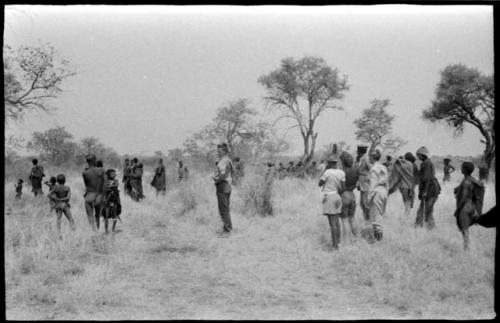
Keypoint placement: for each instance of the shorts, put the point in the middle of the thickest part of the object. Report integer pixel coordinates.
(332, 204)
(348, 204)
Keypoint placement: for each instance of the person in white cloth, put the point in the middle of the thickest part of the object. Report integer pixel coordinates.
(332, 183)
(377, 194)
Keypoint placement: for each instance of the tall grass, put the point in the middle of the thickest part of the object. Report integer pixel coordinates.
(168, 262)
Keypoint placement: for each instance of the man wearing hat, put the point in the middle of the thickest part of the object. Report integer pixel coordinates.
(428, 189)
(377, 193)
(363, 166)
(332, 183)
(222, 180)
(94, 180)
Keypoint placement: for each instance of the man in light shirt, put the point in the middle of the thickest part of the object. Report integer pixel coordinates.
(377, 192)
(222, 179)
(332, 183)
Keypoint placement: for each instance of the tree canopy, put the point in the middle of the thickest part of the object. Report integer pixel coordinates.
(465, 96)
(303, 89)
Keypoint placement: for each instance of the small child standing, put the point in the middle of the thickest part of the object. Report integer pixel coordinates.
(19, 189)
(61, 195)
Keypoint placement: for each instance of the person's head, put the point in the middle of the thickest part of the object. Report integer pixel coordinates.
(99, 163)
(53, 180)
(222, 150)
(281, 164)
(290, 163)
(90, 158)
(422, 153)
(180, 163)
(467, 168)
(160, 161)
(313, 163)
(446, 161)
(61, 179)
(269, 164)
(409, 157)
(332, 161)
(236, 159)
(20, 181)
(299, 163)
(375, 155)
(346, 159)
(111, 174)
(388, 158)
(135, 160)
(127, 161)
(35, 161)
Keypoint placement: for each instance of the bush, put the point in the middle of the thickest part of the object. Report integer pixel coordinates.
(256, 192)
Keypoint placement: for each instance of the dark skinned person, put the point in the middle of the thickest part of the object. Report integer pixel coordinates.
(36, 177)
(94, 180)
(428, 190)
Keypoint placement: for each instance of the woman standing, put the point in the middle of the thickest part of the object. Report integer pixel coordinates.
(332, 183)
(159, 180)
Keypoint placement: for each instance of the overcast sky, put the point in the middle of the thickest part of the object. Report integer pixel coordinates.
(150, 76)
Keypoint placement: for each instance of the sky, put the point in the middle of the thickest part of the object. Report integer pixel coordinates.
(148, 77)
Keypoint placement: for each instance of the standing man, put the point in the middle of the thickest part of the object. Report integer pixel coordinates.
(402, 177)
(469, 195)
(182, 172)
(94, 181)
(377, 193)
(348, 197)
(136, 179)
(363, 166)
(36, 177)
(222, 180)
(428, 190)
(126, 177)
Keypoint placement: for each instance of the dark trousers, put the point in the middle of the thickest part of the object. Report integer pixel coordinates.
(425, 213)
(223, 197)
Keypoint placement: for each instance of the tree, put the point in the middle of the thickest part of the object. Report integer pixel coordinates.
(465, 96)
(32, 77)
(92, 145)
(55, 144)
(302, 90)
(375, 127)
(12, 145)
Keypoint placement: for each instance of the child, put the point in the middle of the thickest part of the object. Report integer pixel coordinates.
(112, 204)
(61, 195)
(51, 184)
(19, 189)
(448, 169)
(469, 195)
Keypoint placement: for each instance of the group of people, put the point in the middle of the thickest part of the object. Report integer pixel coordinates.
(339, 175)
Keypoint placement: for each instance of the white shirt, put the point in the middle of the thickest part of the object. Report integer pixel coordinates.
(332, 178)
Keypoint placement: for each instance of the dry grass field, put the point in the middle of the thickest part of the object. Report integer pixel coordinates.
(167, 261)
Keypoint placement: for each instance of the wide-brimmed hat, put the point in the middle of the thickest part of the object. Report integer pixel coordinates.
(332, 158)
(361, 149)
(423, 151)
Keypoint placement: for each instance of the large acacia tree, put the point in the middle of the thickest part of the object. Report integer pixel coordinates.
(303, 89)
(465, 96)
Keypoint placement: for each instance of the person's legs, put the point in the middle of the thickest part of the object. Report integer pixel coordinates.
(69, 216)
(419, 220)
(223, 204)
(464, 222)
(89, 208)
(363, 202)
(333, 220)
(429, 210)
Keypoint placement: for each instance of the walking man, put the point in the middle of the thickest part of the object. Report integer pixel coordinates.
(94, 181)
(402, 177)
(222, 180)
(428, 190)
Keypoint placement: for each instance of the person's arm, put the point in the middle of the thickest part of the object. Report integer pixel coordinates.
(452, 169)
(68, 197)
(221, 171)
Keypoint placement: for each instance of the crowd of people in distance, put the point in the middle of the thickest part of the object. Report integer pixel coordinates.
(339, 175)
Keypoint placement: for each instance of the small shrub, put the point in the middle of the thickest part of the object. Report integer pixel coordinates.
(256, 193)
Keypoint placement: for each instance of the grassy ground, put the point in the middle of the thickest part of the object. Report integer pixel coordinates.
(169, 263)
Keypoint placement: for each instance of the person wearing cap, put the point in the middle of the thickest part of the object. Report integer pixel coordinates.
(377, 192)
(222, 180)
(363, 165)
(94, 181)
(447, 169)
(428, 190)
(469, 196)
(332, 183)
(348, 197)
(401, 178)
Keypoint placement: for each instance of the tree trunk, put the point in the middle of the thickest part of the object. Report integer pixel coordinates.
(484, 167)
